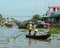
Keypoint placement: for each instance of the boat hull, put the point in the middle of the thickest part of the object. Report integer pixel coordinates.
(38, 37)
(8, 25)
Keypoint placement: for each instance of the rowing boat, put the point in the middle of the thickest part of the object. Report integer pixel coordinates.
(38, 37)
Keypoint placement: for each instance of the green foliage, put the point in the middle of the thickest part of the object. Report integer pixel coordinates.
(24, 30)
(54, 31)
(2, 19)
(58, 39)
(35, 17)
(0, 16)
(7, 40)
(14, 39)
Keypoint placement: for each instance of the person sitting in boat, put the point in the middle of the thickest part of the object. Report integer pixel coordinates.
(29, 26)
(36, 32)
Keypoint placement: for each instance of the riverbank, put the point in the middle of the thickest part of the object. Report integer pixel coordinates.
(54, 30)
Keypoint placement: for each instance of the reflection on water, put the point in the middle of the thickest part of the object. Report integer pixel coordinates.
(8, 40)
(30, 41)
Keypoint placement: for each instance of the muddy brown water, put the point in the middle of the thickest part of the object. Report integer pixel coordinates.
(7, 40)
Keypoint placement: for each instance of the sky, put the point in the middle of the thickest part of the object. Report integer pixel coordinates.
(26, 7)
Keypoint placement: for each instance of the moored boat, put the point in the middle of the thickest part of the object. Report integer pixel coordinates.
(39, 37)
(8, 25)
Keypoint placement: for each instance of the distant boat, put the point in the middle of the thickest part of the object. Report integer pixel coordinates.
(22, 25)
(44, 37)
(8, 25)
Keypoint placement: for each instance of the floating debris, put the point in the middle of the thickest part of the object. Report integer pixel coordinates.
(7, 40)
(58, 39)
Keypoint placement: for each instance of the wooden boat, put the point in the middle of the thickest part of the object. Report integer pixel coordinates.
(21, 25)
(39, 37)
(8, 25)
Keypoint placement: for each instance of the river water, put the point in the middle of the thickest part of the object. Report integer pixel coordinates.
(7, 39)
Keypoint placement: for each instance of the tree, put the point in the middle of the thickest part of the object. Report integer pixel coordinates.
(0, 16)
(35, 18)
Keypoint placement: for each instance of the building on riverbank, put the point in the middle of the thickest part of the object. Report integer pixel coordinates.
(53, 14)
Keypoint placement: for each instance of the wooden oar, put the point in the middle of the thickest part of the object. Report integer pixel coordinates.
(17, 36)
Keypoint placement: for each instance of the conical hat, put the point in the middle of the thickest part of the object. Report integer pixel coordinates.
(30, 22)
(36, 30)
